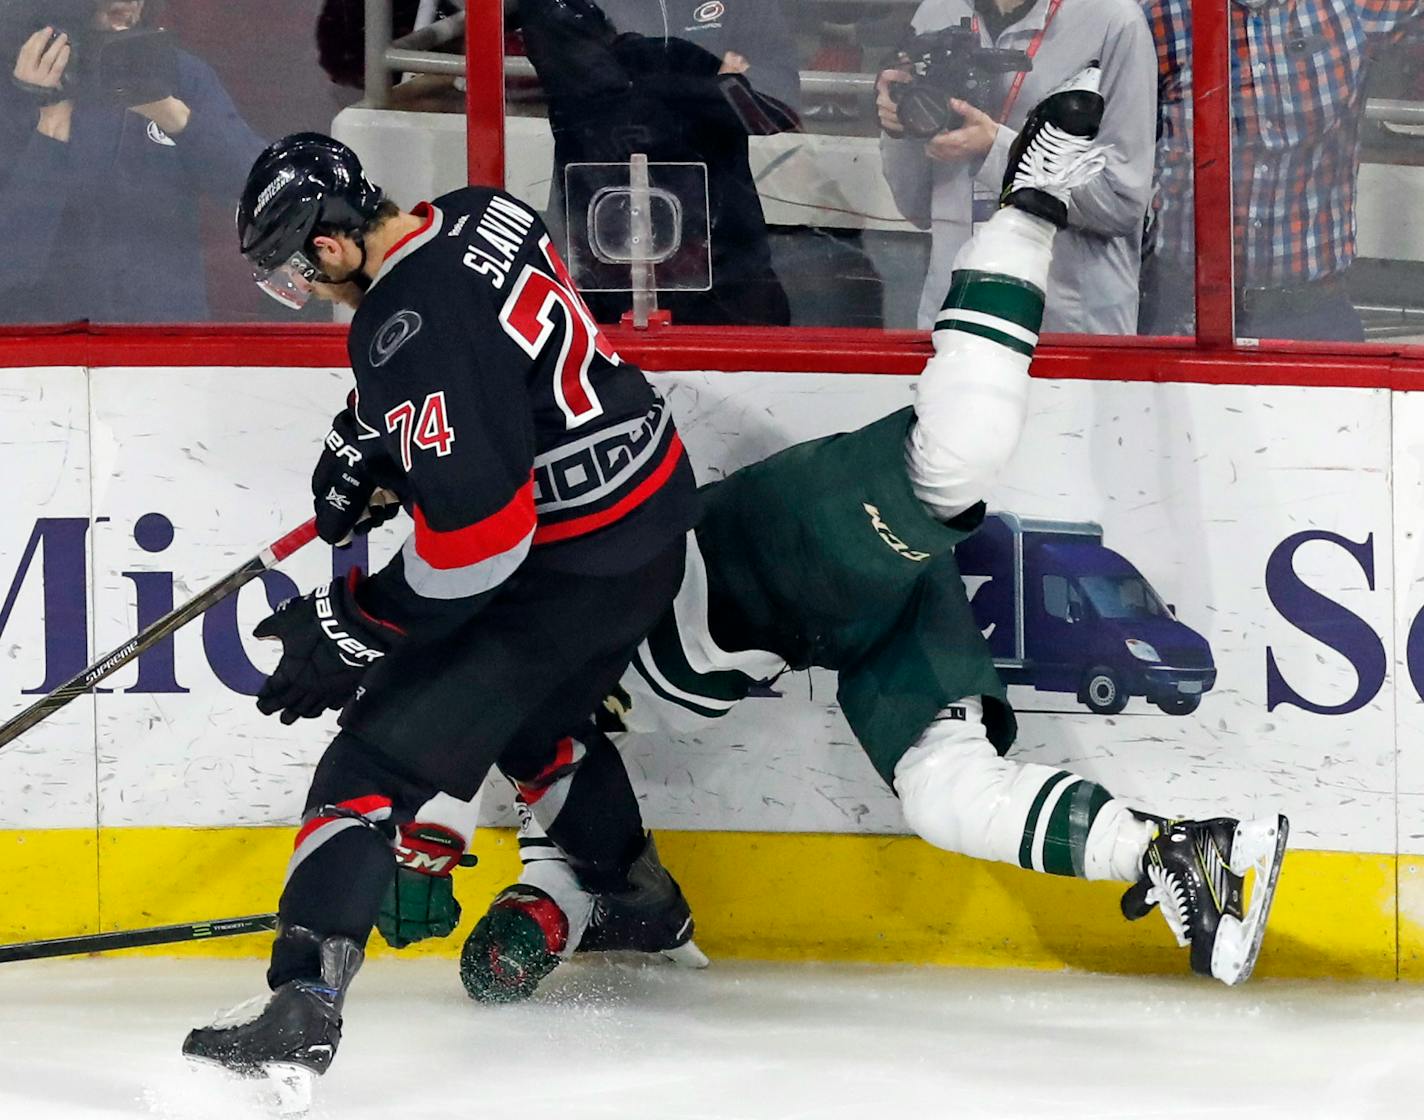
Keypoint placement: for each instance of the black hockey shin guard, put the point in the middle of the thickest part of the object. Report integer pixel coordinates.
(336, 892)
(341, 863)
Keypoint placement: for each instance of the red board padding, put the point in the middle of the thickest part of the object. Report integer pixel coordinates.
(777, 350)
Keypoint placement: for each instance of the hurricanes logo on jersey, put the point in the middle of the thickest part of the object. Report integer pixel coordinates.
(882, 530)
(394, 333)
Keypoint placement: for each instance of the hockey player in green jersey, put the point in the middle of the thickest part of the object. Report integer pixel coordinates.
(838, 553)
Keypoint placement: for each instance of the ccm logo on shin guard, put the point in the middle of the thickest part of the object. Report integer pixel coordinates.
(359, 653)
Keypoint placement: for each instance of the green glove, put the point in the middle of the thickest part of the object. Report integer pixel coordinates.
(420, 902)
(417, 907)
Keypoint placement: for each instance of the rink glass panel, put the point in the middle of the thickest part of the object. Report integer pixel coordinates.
(130, 220)
(819, 219)
(815, 224)
(1328, 141)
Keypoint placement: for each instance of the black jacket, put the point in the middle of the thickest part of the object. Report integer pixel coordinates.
(631, 76)
(106, 226)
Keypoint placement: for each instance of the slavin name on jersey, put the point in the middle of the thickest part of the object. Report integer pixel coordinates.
(502, 228)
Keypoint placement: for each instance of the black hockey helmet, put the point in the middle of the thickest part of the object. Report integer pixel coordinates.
(303, 185)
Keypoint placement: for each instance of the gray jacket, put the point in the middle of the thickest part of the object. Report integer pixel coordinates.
(1093, 285)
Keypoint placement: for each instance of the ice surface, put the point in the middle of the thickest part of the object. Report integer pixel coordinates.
(92, 1039)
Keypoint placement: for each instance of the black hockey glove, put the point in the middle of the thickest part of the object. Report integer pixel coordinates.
(328, 643)
(420, 902)
(350, 482)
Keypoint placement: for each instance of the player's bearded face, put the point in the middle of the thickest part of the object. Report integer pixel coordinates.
(329, 270)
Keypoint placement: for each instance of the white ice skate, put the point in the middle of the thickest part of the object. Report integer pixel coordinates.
(1196, 871)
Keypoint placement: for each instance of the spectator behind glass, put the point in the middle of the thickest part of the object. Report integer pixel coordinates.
(1298, 71)
(99, 197)
(1094, 282)
(682, 81)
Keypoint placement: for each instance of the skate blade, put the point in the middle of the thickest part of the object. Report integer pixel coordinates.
(1259, 846)
(687, 955)
(290, 1088)
(279, 1088)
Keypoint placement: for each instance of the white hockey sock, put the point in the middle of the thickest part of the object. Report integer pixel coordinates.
(1012, 243)
(958, 794)
(969, 413)
(546, 867)
(1116, 844)
(972, 397)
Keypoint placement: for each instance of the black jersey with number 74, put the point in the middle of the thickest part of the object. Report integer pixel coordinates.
(521, 434)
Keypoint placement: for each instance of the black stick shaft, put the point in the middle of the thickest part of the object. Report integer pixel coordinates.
(136, 938)
(179, 616)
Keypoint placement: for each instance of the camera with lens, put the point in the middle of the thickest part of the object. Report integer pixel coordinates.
(126, 68)
(948, 63)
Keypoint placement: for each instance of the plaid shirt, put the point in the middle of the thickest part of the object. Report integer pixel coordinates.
(1298, 76)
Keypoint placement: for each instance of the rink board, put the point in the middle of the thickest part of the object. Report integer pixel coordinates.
(1283, 525)
(757, 896)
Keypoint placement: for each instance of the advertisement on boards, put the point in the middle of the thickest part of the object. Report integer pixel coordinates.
(1190, 590)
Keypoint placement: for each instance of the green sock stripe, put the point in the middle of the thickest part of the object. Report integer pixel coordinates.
(671, 698)
(1035, 810)
(1017, 345)
(1066, 840)
(665, 645)
(993, 293)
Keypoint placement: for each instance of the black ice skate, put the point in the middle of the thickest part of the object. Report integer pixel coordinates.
(651, 916)
(290, 1036)
(1054, 151)
(1197, 871)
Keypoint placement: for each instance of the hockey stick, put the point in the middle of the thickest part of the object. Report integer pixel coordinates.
(179, 616)
(134, 938)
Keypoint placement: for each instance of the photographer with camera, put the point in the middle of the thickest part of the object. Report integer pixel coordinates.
(950, 106)
(109, 136)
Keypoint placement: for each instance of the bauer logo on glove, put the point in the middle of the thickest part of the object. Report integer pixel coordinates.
(354, 485)
(352, 651)
(328, 642)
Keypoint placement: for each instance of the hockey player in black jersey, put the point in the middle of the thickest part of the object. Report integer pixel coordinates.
(839, 553)
(550, 497)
